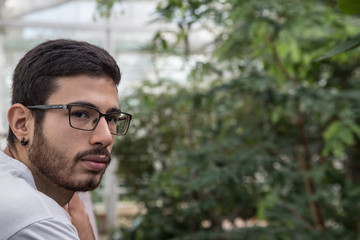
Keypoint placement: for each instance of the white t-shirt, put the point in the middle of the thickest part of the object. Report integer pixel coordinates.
(26, 213)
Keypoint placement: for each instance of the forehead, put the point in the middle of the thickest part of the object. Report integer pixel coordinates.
(100, 91)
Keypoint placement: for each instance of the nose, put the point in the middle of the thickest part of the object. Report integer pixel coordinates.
(101, 135)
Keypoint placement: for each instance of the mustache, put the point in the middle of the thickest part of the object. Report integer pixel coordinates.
(94, 151)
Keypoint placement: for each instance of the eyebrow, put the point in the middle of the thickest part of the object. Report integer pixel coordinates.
(114, 109)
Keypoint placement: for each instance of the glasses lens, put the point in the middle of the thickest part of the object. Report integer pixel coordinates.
(122, 124)
(83, 117)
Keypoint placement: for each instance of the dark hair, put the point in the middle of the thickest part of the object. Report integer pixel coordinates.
(35, 75)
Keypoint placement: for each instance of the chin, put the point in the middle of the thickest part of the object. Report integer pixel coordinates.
(83, 185)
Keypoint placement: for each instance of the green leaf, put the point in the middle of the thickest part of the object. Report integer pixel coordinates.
(337, 136)
(332, 130)
(355, 129)
(349, 6)
(275, 117)
(347, 45)
(164, 44)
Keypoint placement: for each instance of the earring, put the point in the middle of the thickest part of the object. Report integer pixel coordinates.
(23, 142)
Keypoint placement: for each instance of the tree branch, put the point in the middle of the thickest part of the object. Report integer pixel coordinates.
(278, 60)
(304, 162)
(315, 207)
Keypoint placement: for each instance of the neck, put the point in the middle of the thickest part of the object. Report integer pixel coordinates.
(9, 152)
(61, 195)
(43, 184)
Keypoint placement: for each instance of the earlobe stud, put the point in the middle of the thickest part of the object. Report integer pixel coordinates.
(23, 142)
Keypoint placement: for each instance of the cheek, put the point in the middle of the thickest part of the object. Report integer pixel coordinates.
(59, 133)
(56, 124)
(110, 148)
(112, 144)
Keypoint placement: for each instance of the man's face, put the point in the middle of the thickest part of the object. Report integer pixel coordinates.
(71, 158)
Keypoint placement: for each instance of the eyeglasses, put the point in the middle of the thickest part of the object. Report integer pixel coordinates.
(86, 118)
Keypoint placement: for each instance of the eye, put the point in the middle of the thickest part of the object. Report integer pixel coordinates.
(112, 118)
(80, 114)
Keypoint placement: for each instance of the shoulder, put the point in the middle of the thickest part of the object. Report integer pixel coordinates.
(21, 204)
(46, 229)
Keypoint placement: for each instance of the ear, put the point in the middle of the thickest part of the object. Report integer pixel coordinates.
(21, 121)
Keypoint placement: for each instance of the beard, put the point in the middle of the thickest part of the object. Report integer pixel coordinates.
(53, 163)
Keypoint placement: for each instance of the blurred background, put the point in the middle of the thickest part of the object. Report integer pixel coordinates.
(245, 113)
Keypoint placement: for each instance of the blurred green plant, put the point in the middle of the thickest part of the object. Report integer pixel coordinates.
(104, 7)
(350, 7)
(261, 133)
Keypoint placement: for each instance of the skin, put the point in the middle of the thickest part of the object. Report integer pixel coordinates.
(79, 218)
(62, 159)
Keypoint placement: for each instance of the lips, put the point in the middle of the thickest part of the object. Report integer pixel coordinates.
(95, 163)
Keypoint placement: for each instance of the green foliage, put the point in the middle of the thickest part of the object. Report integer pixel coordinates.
(349, 6)
(347, 45)
(104, 7)
(261, 133)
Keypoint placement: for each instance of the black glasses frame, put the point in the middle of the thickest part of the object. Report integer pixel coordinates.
(69, 106)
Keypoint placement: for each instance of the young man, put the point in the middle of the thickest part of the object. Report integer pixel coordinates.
(63, 122)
